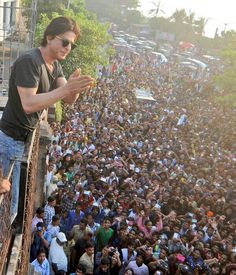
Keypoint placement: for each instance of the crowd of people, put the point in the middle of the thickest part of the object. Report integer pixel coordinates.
(140, 187)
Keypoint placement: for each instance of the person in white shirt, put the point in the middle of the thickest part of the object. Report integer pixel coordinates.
(53, 228)
(138, 266)
(128, 254)
(49, 177)
(87, 259)
(57, 257)
(41, 265)
(37, 218)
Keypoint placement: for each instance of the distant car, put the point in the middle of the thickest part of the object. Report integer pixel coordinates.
(160, 56)
(164, 51)
(121, 40)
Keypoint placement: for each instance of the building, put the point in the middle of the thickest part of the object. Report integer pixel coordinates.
(8, 17)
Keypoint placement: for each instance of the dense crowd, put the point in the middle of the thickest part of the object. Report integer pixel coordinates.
(140, 187)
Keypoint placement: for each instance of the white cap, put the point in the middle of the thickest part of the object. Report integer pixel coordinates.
(61, 237)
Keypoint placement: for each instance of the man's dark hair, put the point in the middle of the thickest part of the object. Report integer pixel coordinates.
(107, 219)
(84, 221)
(60, 272)
(51, 199)
(55, 218)
(80, 267)
(89, 245)
(59, 26)
(41, 250)
(78, 203)
(40, 210)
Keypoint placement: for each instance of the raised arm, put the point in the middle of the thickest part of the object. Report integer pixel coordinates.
(68, 91)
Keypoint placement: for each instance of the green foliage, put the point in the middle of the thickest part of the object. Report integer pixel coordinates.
(91, 48)
(228, 100)
(227, 81)
(119, 12)
(58, 111)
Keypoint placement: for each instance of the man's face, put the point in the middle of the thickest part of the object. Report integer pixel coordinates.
(41, 257)
(78, 208)
(90, 251)
(57, 51)
(57, 222)
(131, 247)
(53, 203)
(41, 215)
(106, 224)
(90, 219)
(82, 226)
(104, 203)
(139, 260)
(104, 267)
(196, 254)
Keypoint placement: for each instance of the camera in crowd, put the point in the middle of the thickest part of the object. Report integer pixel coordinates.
(163, 266)
(185, 269)
(112, 251)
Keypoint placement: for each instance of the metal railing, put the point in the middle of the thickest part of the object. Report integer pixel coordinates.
(22, 223)
(5, 228)
(29, 168)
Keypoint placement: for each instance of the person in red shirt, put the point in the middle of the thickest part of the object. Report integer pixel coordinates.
(86, 199)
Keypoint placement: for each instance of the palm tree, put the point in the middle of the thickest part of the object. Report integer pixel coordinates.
(156, 8)
(190, 18)
(200, 25)
(179, 16)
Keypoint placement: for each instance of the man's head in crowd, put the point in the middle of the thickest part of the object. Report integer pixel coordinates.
(51, 201)
(80, 270)
(56, 220)
(61, 239)
(40, 212)
(89, 248)
(83, 223)
(106, 223)
(139, 259)
(41, 256)
(105, 264)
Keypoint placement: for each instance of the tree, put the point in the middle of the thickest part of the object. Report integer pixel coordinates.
(226, 82)
(200, 25)
(178, 16)
(160, 23)
(112, 10)
(134, 17)
(156, 8)
(92, 47)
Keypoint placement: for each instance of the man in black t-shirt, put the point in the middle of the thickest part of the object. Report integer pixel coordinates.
(36, 83)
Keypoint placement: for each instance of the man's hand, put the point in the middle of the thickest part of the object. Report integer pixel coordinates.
(78, 83)
(5, 186)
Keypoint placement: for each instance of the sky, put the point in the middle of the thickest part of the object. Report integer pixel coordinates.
(220, 14)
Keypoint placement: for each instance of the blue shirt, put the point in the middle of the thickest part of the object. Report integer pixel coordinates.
(51, 232)
(74, 219)
(43, 268)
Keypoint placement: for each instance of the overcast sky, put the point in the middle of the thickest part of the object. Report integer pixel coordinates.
(219, 12)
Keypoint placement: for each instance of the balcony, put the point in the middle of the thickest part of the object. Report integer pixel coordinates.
(15, 237)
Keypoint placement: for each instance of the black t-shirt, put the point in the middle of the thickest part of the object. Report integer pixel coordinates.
(29, 71)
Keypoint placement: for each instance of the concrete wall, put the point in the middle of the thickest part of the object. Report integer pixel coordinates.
(45, 136)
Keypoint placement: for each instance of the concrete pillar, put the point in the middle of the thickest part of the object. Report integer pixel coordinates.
(8, 15)
(1, 21)
(45, 139)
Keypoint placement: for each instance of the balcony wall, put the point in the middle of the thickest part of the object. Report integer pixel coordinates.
(15, 238)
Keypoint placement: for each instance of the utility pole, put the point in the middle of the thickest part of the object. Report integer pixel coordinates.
(226, 24)
(33, 22)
